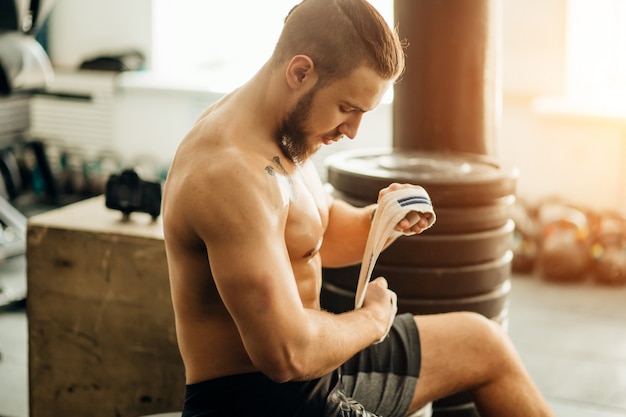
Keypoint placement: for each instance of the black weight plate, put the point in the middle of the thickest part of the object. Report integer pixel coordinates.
(451, 179)
(490, 304)
(464, 410)
(412, 282)
(452, 220)
(9, 16)
(458, 399)
(336, 300)
(449, 250)
(450, 282)
(502, 319)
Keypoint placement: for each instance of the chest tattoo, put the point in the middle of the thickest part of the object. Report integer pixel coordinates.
(284, 179)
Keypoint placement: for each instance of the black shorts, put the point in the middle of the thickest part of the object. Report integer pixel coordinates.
(378, 381)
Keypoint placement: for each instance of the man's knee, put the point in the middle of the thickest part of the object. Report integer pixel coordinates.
(490, 342)
(482, 324)
(485, 337)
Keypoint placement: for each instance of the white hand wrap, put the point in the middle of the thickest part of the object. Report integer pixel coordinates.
(392, 208)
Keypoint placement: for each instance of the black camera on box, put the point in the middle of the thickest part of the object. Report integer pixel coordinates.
(128, 193)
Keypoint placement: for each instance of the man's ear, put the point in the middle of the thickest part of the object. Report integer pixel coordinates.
(300, 72)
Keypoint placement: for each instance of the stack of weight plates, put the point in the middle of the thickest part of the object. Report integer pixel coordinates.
(462, 263)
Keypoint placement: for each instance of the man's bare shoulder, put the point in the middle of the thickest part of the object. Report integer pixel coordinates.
(218, 178)
(211, 167)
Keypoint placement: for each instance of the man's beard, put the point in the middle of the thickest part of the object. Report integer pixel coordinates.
(292, 135)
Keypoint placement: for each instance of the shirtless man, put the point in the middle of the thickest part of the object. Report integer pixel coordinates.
(248, 228)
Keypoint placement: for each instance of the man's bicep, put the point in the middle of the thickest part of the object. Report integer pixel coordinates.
(250, 264)
(346, 234)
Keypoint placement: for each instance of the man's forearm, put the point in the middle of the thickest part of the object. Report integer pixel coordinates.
(339, 337)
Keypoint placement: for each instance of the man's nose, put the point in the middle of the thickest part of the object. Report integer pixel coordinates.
(351, 126)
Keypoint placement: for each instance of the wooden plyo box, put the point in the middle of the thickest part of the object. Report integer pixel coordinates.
(101, 332)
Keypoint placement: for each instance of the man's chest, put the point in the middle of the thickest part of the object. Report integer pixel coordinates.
(307, 217)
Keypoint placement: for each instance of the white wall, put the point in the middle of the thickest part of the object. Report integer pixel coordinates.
(151, 121)
(578, 159)
(533, 52)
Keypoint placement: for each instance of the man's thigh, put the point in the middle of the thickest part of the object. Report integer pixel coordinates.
(456, 349)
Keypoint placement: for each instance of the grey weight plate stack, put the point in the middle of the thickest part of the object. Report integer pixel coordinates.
(463, 263)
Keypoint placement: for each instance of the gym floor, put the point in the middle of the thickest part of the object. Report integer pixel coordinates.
(572, 339)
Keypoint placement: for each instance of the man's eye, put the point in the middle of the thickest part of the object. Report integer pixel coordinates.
(345, 109)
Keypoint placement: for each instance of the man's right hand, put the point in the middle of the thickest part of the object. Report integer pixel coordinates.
(384, 301)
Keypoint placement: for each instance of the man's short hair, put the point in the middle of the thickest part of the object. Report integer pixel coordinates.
(339, 36)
